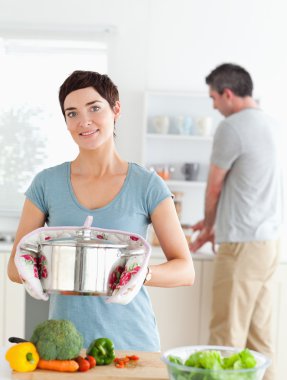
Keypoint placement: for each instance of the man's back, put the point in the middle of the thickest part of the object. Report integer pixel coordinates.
(249, 207)
(243, 211)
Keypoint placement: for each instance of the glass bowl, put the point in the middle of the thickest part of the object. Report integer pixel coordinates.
(182, 372)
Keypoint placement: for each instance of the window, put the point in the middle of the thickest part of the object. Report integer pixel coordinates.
(33, 135)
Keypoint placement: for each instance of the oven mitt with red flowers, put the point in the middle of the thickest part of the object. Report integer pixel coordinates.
(26, 261)
(125, 279)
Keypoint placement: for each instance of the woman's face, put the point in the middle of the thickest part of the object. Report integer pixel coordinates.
(90, 118)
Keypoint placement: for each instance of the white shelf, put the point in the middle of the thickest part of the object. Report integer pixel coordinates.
(174, 183)
(175, 149)
(158, 136)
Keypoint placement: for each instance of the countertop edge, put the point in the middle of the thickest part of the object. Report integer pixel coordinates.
(201, 255)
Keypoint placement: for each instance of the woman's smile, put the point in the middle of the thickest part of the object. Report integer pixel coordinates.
(89, 133)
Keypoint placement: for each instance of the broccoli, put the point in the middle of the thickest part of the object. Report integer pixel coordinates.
(57, 339)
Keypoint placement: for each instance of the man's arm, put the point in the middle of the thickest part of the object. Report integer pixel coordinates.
(215, 183)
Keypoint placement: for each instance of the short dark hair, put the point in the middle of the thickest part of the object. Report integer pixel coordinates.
(231, 76)
(81, 79)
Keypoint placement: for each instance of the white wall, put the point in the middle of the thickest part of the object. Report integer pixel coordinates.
(167, 44)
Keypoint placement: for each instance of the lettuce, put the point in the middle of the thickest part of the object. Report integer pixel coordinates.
(205, 359)
(242, 360)
(175, 359)
(213, 361)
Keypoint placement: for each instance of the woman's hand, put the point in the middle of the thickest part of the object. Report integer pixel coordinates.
(31, 219)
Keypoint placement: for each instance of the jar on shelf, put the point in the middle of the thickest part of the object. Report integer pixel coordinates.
(163, 172)
(160, 124)
(183, 125)
(204, 126)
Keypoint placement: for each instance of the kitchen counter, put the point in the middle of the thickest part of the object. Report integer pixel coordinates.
(204, 254)
(149, 367)
(157, 253)
(5, 247)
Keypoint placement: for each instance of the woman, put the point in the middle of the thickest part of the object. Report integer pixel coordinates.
(119, 195)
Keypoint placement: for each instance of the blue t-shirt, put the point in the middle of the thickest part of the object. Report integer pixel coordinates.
(132, 326)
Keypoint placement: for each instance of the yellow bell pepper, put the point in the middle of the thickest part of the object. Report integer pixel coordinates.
(23, 357)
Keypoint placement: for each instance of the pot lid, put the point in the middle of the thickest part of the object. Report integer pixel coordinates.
(83, 242)
(83, 238)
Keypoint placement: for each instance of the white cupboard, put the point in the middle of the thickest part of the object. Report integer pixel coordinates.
(12, 304)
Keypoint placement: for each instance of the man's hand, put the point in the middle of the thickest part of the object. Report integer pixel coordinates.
(198, 226)
(205, 235)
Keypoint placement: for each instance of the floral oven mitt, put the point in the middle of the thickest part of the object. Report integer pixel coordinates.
(125, 280)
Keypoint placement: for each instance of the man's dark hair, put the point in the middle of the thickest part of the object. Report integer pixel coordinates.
(231, 76)
(82, 79)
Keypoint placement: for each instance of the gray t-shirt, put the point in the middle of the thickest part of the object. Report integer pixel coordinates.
(132, 326)
(250, 203)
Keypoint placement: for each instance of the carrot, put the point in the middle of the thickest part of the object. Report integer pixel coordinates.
(59, 365)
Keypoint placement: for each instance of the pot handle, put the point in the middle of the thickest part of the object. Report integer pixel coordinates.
(28, 247)
(88, 221)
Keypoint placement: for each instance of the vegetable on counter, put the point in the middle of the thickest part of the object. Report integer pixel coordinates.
(212, 360)
(23, 357)
(57, 340)
(59, 365)
(244, 359)
(175, 360)
(91, 360)
(84, 364)
(205, 359)
(102, 350)
(127, 361)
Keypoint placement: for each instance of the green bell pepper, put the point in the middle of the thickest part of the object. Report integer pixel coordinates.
(102, 350)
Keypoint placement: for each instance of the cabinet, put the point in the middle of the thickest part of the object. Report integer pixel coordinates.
(12, 304)
(183, 313)
(178, 130)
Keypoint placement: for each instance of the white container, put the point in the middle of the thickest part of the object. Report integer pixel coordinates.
(160, 124)
(204, 126)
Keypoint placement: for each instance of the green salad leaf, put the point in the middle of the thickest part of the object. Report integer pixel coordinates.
(242, 360)
(175, 359)
(205, 359)
(213, 361)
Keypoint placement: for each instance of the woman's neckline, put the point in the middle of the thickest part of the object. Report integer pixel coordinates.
(114, 200)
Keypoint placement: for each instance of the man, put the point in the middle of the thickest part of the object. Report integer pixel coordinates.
(242, 212)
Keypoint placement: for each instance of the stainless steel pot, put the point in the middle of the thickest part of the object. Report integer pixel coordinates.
(80, 266)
